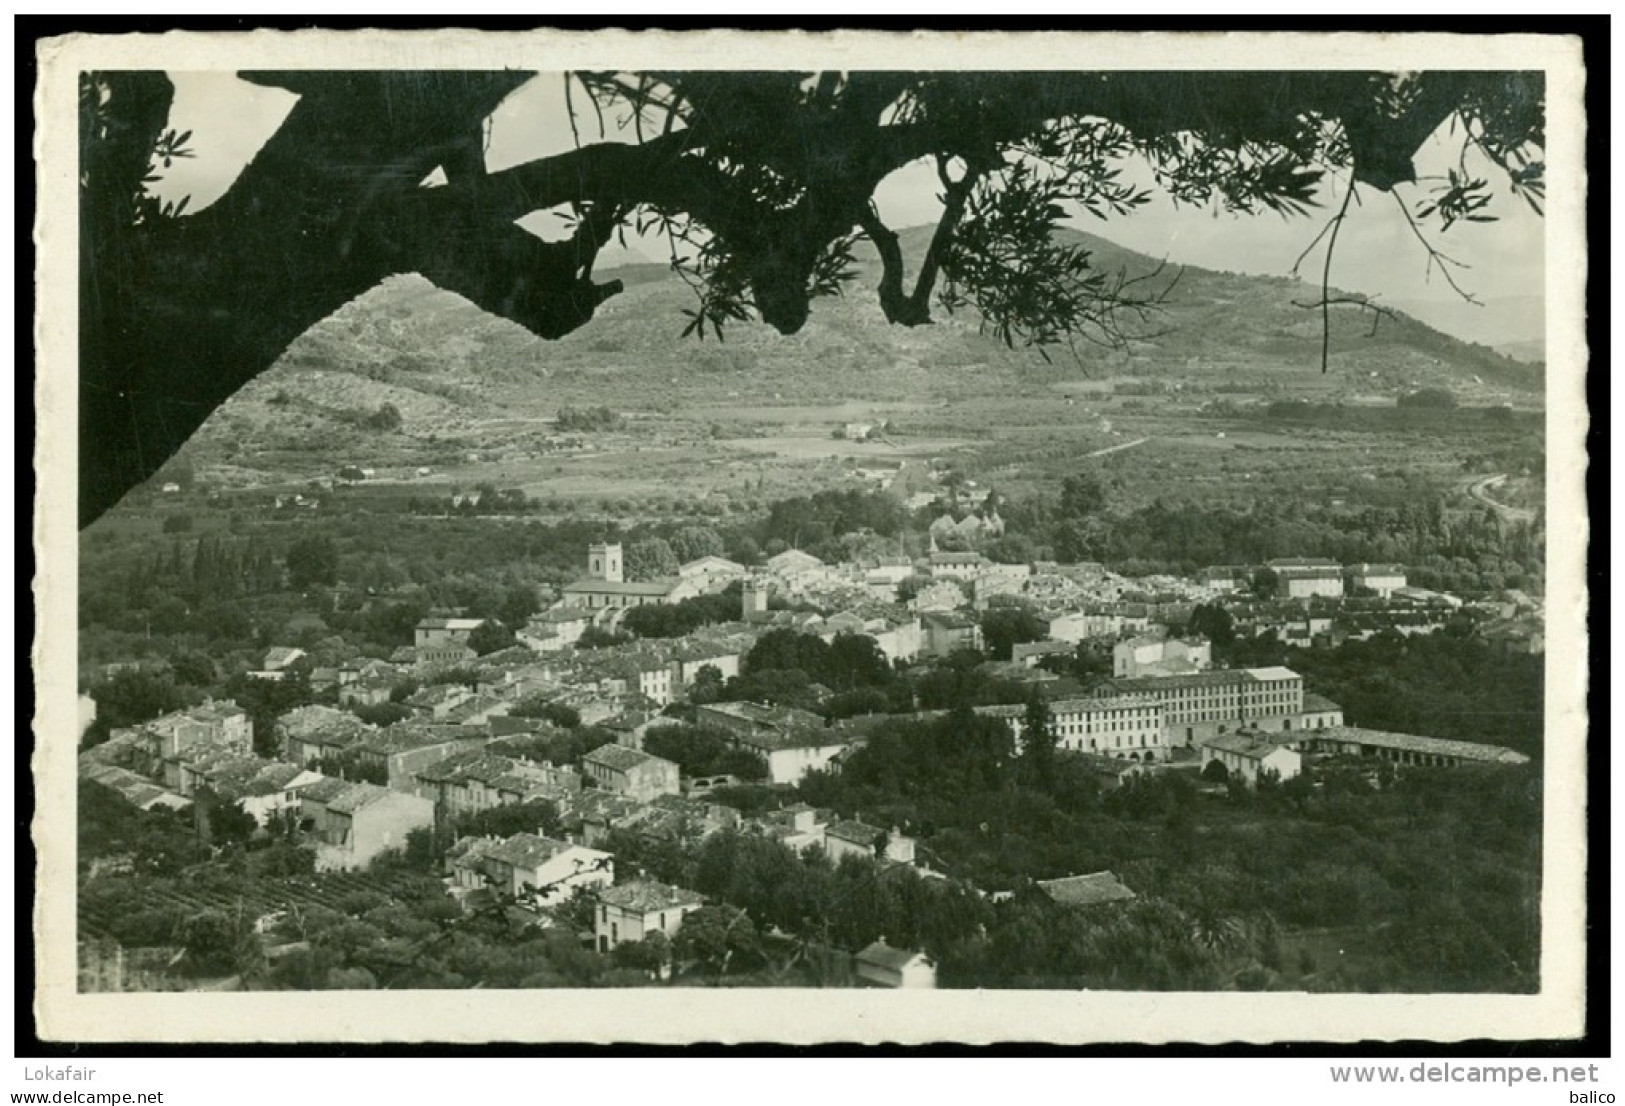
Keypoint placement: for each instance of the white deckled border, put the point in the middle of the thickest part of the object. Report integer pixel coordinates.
(681, 1015)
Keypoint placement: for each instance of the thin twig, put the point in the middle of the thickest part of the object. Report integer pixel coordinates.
(1325, 229)
(1435, 255)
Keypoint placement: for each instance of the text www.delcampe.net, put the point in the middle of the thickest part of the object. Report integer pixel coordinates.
(1506, 1074)
(89, 1098)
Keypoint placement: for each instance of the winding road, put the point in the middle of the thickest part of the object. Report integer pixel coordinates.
(1479, 488)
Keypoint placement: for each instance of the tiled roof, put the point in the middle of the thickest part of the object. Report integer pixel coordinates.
(644, 896)
(135, 789)
(470, 852)
(1098, 887)
(362, 795)
(404, 736)
(1251, 746)
(322, 722)
(619, 758)
(601, 805)
(859, 833)
(883, 955)
(763, 715)
(439, 693)
(232, 775)
(1414, 743)
(798, 737)
(527, 789)
(326, 789)
(274, 777)
(527, 850)
(472, 765)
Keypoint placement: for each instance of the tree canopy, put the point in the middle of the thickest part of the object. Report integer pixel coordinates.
(762, 181)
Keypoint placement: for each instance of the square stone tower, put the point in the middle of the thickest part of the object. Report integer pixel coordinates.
(604, 562)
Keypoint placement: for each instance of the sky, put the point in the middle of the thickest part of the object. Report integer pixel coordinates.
(1377, 253)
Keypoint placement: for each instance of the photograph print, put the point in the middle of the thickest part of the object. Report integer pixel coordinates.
(1031, 522)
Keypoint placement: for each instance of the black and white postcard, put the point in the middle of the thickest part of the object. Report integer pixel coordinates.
(741, 536)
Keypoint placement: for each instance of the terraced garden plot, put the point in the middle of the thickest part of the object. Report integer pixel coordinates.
(257, 896)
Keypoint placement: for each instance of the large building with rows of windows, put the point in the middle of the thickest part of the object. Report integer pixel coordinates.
(1122, 726)
(1203, 705)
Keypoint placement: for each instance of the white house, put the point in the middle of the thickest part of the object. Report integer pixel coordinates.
(1382, 579)
(792, 754)
(535, 870)
(881, 965)
(274, 789)
(631, 911)
(853, 838)
(1247, 755)
(552, 630)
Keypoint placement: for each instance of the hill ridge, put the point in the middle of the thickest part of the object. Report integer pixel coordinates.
(457, 376)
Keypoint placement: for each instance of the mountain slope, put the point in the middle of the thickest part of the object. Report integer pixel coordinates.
(459, 377)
